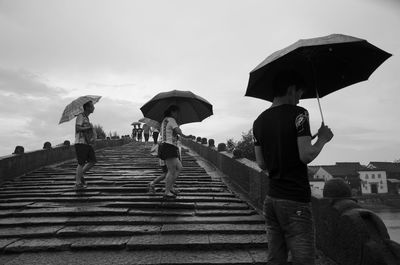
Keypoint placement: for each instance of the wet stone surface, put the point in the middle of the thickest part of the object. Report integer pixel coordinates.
(43, 220)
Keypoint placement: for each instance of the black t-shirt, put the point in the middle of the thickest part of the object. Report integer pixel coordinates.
(276, 131)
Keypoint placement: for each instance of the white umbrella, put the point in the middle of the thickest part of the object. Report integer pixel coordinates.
(76, 107)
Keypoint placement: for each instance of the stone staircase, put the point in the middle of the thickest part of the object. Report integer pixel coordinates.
(43, 220)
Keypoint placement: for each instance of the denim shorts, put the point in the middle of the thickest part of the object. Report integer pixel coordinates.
(290, 228)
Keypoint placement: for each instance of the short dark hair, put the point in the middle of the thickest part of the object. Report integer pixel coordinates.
(170, 109)
(284, 79)
(87, 105)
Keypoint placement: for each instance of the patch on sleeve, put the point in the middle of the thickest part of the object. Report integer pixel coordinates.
(301, 119)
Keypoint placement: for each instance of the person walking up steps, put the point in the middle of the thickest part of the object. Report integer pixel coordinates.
(169, 149)
(139, 132)
(84, 138)
(146, 132)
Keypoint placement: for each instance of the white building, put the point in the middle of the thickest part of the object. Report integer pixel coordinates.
(321, 173)
(373, 182)
(317, 187)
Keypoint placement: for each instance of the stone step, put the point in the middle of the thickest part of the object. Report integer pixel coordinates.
(70, 196)
(68, 192)
(139, 241)
(107, 200)
(104, 170)
(124, 230)
(116, 208)
(29, 232)
(110, 185)
(107, 183)
(128, 220)
(64, 211)
(131, 177)
(148, 257)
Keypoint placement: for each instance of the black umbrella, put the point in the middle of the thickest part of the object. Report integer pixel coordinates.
(326, 63)
(193, 108)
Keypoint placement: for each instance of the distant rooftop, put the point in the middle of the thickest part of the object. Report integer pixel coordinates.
(342, 168)
(387, 166)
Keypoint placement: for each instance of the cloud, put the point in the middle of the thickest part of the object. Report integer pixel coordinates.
(24, 83)
(130, 51)
(31, 108)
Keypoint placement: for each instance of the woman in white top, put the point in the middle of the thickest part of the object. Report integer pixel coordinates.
(169, 149)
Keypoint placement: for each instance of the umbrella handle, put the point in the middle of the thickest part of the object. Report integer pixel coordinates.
(319, 105)
(316, 88)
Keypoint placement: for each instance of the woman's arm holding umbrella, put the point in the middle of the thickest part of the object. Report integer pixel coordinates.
(178, 131)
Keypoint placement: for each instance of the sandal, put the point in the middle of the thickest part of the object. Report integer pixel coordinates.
(169, 196)
(80, 186)
(175, 192)
(151, 188)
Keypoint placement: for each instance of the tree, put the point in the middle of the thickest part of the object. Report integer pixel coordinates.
(113, 135)
(230, 145)
(246, 145)
(99, 131)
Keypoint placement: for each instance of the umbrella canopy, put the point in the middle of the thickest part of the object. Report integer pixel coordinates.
(150, 122)
(326, 63)
(193, 108)
(136, 123)
(76, 107)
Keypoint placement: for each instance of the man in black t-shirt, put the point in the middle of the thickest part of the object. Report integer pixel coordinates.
(283, 149)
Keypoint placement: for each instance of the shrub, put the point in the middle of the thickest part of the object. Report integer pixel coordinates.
(237, 153)
(246, 145)
(113, 135)
(230, 145)
(99, 131)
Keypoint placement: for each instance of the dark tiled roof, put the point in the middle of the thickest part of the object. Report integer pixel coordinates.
(341, 169)
(387, 166)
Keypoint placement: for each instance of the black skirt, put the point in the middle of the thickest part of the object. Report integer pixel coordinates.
(166, 151)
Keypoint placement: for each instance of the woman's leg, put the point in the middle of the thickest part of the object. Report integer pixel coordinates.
(178, 171)
(174, 167)
(155, 137)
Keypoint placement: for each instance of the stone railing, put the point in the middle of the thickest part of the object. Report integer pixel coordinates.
(21, 163)
(345, 232)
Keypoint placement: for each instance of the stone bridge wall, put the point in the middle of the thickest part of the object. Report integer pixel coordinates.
(345, 231)
(16, 165)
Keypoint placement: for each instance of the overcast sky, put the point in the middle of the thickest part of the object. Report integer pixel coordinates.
(53, 51)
